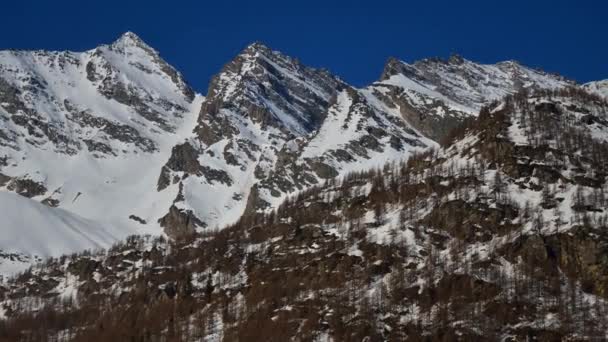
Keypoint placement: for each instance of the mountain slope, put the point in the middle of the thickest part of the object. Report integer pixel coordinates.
(267, 129)
(31, 230)
(270, 127)
(116, 136)
(88, 131)
(498, 235)
(434, 95)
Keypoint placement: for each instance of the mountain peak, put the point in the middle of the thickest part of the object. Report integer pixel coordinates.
(130, 39)
(510, 63)
(258, 51)
(130, 35)
(259, 62)
(392, 67)
(456, 59)
(258, 46)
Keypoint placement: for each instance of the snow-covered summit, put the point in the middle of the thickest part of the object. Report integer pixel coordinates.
(88, 131)
(435, 94)
(292, 95)
(130, 38)
(467, 83)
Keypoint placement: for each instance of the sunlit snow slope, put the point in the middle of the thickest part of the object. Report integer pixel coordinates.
(88, 132)
(34, 230)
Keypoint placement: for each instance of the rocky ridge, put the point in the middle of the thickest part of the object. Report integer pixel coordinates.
(434, 94)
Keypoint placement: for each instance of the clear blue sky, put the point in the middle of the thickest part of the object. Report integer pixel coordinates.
(352, 39)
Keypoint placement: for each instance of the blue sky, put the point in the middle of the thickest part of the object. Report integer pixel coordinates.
(352, 39)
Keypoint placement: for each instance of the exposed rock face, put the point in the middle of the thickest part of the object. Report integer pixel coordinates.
(184, 158)
(584, 256)
(137, 219)
(4, 179)
(179, 223)
(272, 90)
(435, 95)
(26, 187)
(420, 116)
(114, 130)
(581, 254)
(9, 95)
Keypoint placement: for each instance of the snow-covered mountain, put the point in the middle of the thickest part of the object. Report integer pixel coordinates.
(29, 226)
(87, 132)
(269, 127)
(499, 235)
(115, 135)
(434, 95)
